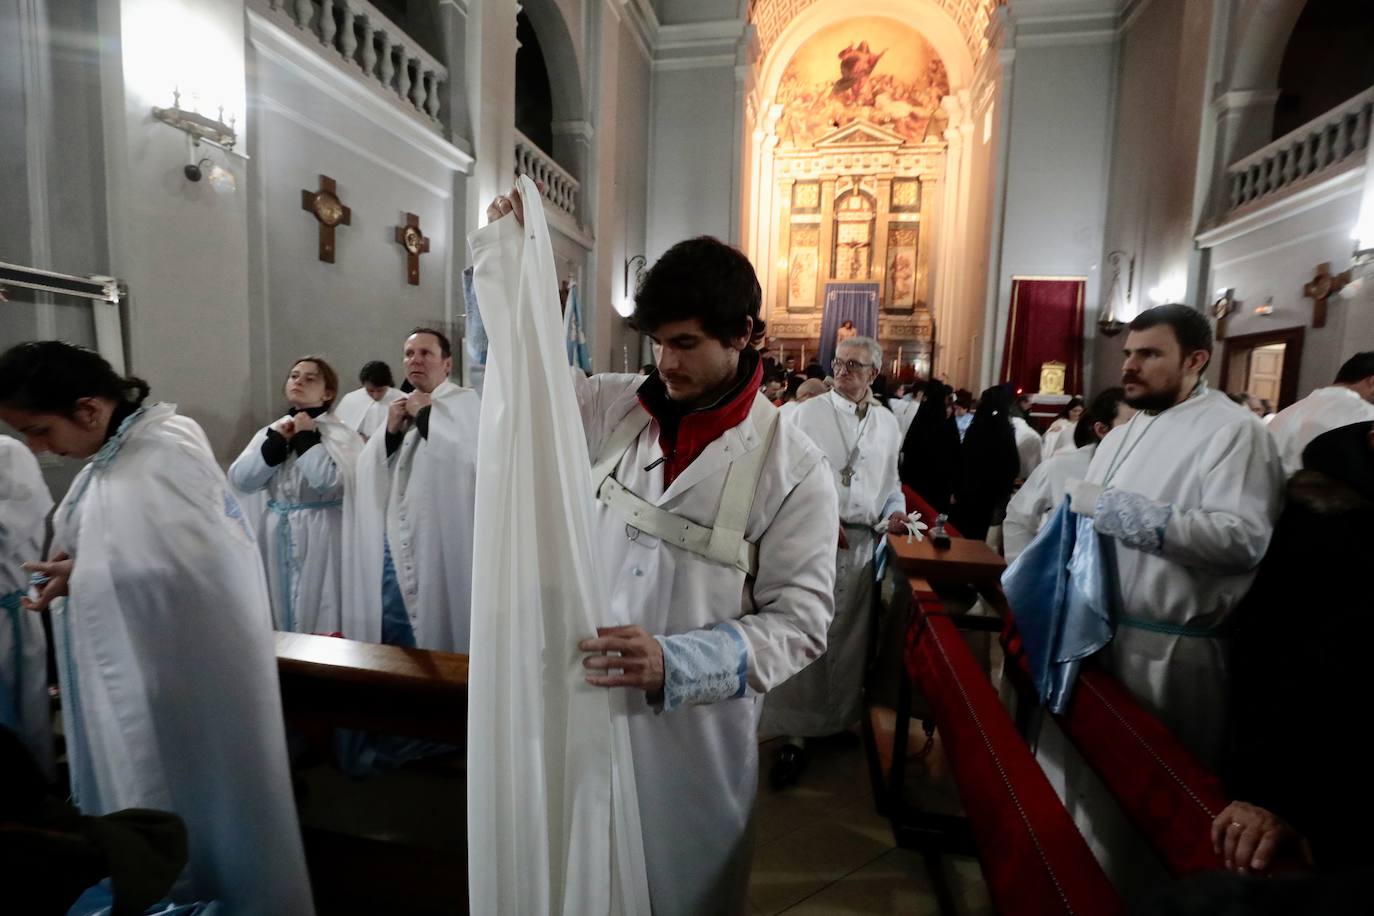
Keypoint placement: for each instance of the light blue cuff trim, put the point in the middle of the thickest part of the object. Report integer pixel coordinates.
(1132, 519)
(703, 666)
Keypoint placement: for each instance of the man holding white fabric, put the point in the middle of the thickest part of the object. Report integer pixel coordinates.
(715, 527)
(1188, 492)
(416, 486)
(1349, 399)
(861, 441)
(363, 409)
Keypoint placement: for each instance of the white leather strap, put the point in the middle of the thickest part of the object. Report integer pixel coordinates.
(723, 542)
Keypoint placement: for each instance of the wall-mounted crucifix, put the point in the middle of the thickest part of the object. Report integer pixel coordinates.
(329, 210)
(1323, 286)
(414, 242)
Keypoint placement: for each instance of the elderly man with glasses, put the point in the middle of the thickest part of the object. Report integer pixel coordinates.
(861, 439)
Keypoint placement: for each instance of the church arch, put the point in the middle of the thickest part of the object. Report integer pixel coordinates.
(561, 57)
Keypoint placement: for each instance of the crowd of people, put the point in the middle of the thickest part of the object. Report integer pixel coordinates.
(352, 514)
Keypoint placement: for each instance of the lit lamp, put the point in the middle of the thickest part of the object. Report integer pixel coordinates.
(634, 268)
(1109, 325)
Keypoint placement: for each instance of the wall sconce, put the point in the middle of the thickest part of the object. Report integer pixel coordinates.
(221, 180)
(1109, 325)
(634, 268)
(1266, 309)
(196, 125)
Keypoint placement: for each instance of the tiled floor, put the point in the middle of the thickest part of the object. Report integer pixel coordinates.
(822, 849)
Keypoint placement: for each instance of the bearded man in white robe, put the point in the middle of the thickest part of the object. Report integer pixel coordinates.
(860, 440)
(1349, 399)
(416, 490)
(1188, 492)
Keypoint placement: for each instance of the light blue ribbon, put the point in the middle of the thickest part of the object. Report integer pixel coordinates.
(286, 548)
(101, 459)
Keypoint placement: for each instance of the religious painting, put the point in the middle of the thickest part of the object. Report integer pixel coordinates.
(906, 195)
(901, 266)
(806, 196)
(803, 267)
(871, 69)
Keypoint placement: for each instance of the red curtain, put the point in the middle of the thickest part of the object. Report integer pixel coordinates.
(1046, 324)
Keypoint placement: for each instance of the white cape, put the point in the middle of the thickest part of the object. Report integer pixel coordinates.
(319, 545)
(360, 413)
(24, 506)
(552, 806)
(168, 666)
(422, 500)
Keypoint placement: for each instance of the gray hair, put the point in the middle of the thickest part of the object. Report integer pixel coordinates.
(875, 352)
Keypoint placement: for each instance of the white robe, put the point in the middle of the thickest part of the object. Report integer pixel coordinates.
(1028, 446)
(168, 667)
(360, 413)
(904, 409)
(24, 506)
(1213, 480)
(1325, 409)
(1058, 438)
(304, 525)
(422, 498)
(552, 793)
(696, 767)
(1040, 495)
(826, 696)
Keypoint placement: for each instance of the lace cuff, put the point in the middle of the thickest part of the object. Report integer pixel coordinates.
(703, 666)
(1132, 519)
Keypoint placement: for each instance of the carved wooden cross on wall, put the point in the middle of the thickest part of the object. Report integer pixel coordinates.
(330, 211)
(413, 240)
(1323, 286)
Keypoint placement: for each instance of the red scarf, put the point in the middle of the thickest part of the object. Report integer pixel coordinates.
(683, 435)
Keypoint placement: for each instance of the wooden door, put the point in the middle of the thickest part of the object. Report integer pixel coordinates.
(1266, 372)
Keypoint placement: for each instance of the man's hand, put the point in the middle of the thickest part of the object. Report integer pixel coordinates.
(416, 402)
(1246, 836)
(58, 569)
(510, 203)
(396, 415)
(285, 427)
(304, 423)
(896, 523)
(638, 658)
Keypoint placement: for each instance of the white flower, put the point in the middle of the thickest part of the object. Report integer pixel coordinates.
(914, 527)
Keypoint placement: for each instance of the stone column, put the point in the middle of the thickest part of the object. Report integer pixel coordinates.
(880, 235)
(782, 269)
(825, 266)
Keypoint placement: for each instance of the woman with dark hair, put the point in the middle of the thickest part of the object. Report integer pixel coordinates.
(298, 474)
(988, 467)
(164, 643)
(1059, 437)
(930, 451)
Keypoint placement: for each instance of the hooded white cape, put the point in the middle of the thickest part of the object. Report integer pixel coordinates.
(422, 500)
(552, 806)
(168, 667)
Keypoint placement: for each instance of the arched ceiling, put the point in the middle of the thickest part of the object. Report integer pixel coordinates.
(770, 18)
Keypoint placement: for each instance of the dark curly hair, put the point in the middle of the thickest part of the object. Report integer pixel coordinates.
(50, 376)
(703, 279)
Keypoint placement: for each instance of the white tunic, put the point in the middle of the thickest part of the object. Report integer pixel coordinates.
(168, 667)
(303, 522)
(1058, 438)
(1208, 489)
(422, 498)
(904, 409)
(24, 506)
(360, 413)
(1325, 409)
(826, 696)
(1040, 495)
(1028, 446)
(696, 767)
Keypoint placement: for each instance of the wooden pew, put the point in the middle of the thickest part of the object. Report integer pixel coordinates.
(329, 683)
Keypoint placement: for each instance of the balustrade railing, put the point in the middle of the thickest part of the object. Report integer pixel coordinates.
(560, 188)
(363, 37)
(1328, 143)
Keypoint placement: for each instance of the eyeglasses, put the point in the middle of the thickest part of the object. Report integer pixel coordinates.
(850, 365)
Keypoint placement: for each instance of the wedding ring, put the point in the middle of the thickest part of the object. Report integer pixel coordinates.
(1238, 825)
